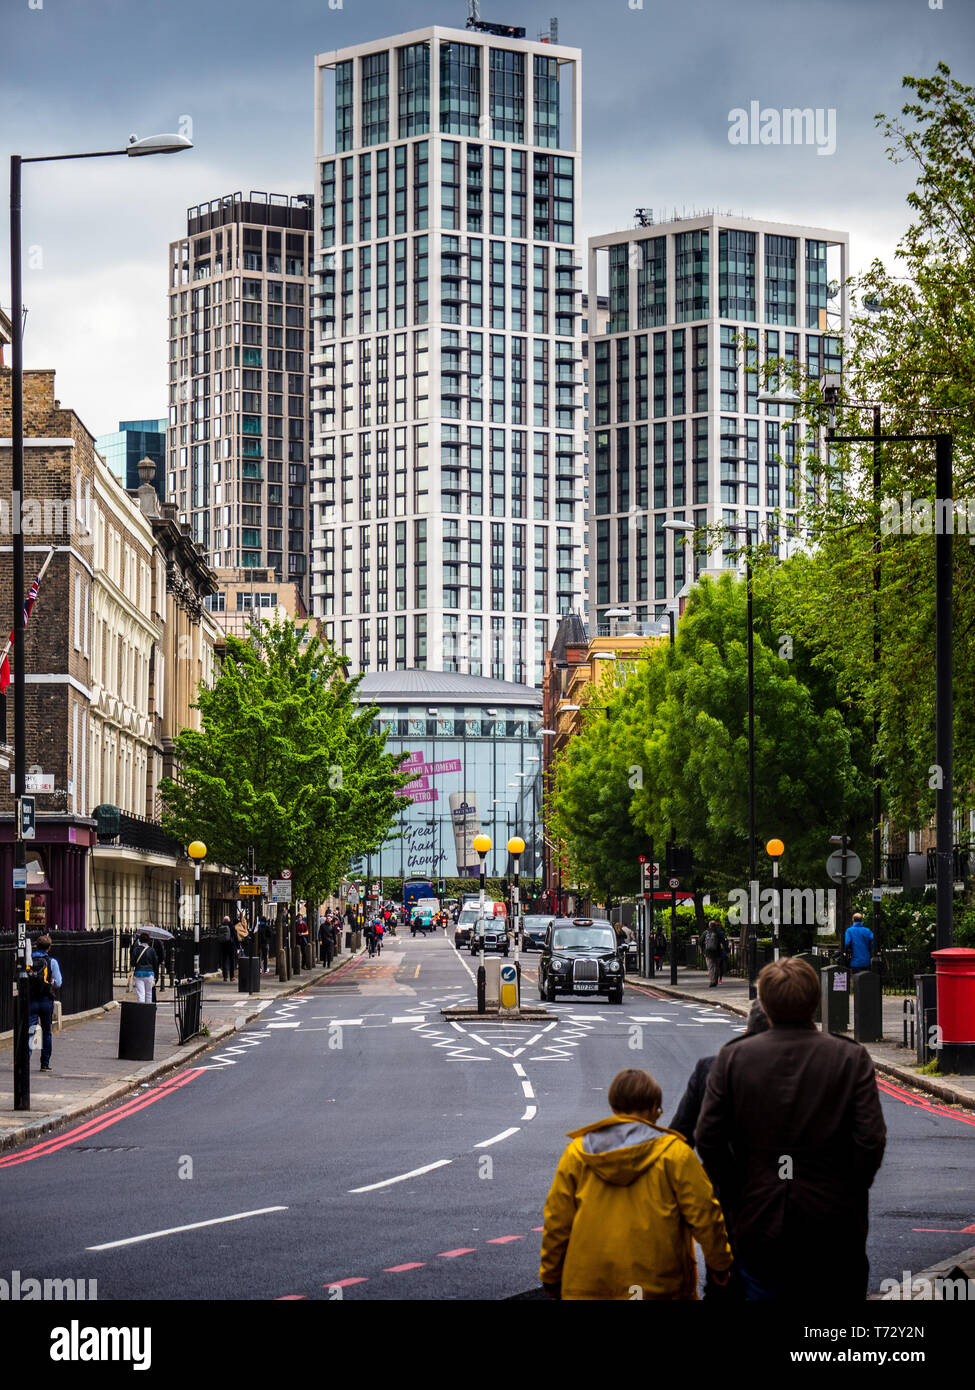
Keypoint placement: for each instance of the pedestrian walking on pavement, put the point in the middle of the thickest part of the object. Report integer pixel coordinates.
(714, 944)
(144, 964)
(264, 935)
(628, 1201)
(227, 941)
(304, 942)
(659, 947)
(858, 944)
(326, 940)
(44, 981)
(792, 1134)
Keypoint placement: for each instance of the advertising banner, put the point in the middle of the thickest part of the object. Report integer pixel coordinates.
(466, 818)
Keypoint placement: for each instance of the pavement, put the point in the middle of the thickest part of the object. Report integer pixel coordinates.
(87, 1072)
(890, 1057)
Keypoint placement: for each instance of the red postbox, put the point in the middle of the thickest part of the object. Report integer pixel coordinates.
(955, 968)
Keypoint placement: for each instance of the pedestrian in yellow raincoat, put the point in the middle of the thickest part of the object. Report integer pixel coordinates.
(626, 1205)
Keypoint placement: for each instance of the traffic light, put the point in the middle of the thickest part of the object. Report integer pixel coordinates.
(441, 886)
(680, 861)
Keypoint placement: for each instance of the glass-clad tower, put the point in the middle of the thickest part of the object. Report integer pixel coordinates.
(447, 449)
(239, 391)
(696, 307)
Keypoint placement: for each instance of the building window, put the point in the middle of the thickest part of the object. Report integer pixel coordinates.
(736, 275)
(460, 89)
(375, 98)
(651, 283)
(780, 279)
(413, 68)
(507, 79)
(546, 102)
(343, 106)
(619, 288)
(693, 275)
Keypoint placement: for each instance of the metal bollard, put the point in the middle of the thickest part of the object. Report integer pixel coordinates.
(868, 1013)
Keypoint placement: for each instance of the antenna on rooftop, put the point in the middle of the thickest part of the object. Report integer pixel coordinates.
(473, 13)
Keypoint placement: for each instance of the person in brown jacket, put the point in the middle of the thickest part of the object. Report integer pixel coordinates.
(791, 1134)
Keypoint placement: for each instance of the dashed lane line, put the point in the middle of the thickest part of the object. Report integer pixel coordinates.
(403, 1177)
(192, 1226)
(497, 1138)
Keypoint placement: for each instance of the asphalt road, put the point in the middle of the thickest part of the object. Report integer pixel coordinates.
(367, 1148)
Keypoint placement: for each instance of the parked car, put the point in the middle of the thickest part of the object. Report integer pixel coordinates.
(491, 933)
(533, 931)
(580, 956)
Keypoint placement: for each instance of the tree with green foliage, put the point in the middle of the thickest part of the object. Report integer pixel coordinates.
(911, 350)
(672, 755)
(285, 761)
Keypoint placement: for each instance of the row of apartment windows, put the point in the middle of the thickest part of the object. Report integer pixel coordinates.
(634, 380)
(471, 644)
(517, 194)
(736, 269)
(460, 95)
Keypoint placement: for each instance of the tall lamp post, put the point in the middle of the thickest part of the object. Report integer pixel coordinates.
(775, 850)
(155, 144)
(197, 851)
(482, 847)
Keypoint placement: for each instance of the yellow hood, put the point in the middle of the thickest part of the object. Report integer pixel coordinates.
(620, 1149)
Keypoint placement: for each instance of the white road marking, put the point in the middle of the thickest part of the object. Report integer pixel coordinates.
(535, 1039)
(504, 1053)
(505, 1134)
(457, 1026)
(530, 1112)
(519, 1069)
(403, 1177)
(193, 1226)
(650, 1018)
(407, 1018)
(282, 1025)
(483, 1041)
(688, 1025)
(348, 1022)
(526, 1086)
(549, 1026)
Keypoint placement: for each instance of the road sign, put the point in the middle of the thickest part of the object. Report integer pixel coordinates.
(263, 882)
(28, 829)
(878, 895)
(352, 896)
(36, 782)
(280, 890)
(285, 873)
(248, 890)
(673, 883)
(20, 879)
(642, 858)
(834, 866)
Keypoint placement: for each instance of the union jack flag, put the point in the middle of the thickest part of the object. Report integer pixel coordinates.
(28, 609)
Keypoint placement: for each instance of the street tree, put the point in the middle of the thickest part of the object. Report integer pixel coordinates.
(286, 762)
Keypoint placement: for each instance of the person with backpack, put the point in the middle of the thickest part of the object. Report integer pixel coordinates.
(227, 942)
(144, 964)
(44, 981)
(714, 944)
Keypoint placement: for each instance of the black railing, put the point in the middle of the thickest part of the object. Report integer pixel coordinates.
(85, 959)
(188, 1006)
(138, 832)
(898, 966)
(893, 865)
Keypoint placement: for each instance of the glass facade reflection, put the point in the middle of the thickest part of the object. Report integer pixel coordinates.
(477, 764)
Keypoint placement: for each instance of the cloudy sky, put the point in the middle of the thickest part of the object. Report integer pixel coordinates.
(659, 81)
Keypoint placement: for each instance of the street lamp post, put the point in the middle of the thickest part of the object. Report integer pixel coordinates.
(155, 144)
(516, 847)
(197, 851)
(775, 849)
(482, 847)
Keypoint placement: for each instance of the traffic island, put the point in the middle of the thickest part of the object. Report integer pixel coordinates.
(493, 1013)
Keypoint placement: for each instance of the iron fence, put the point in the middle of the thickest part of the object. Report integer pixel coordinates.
(188, 1007)
(86, 961)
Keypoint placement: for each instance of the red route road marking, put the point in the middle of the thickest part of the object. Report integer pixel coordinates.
(100, 1122)
(503, 1240)
(289, 1297)
(452, 1254)
(398, 1269)
(344, 1283)
(888, 1088)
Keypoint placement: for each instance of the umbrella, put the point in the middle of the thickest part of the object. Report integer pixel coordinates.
(160, 932)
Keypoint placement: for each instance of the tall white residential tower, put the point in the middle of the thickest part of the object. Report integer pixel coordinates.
(447, 450)
(696, 307)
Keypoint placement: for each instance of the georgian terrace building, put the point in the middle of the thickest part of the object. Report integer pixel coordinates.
(115, 647)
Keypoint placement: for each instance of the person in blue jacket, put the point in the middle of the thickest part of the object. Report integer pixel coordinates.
(859, 943)
(44, 982)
